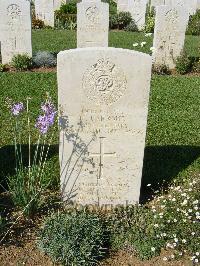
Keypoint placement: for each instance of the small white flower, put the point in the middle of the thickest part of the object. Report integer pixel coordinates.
(193, 257)
(148, 185)
(184, 241)
(193, 233)
(135, 44)
(190, 210)
(197, 213)
(178, 209)
(165, 258)
(196, 208)
(164, 234)
(190, 189)
(176, 239)
(142, 44)
(172, 256)
(153, 249)
(174, 244)
(175, 220)
(195, 202)
(197, 253)
(156, 225)
(148, 34)
(198, 217)
(168, 221)
(152, 49)
(196, 260)
(173, 199)
(184, 202)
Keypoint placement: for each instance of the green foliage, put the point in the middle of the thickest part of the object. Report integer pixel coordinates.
(131, 27)
(194, 24)
(183, 64)
(112, 6)
(44, 59)
(150, 20)
(69, 8)
(120, 20)
(160, 70)
(170, 221)
(21, 62)
(66, 16)
(76, 238)
(196, 65)
(37, 23)
(124, 19)
(2, 67)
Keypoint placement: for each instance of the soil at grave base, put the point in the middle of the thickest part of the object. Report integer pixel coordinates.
(29, 255)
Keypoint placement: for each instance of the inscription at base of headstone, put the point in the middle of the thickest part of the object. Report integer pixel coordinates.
(103, 99)
(169, 34)
(92, 24)
(15, 29)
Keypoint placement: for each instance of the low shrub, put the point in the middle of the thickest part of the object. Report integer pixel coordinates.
(170, 221)
(196, 65)
(183, 64)
(131, 27)
(21, 62)
(76, 238)
(124, 19)
(44, 59)
(160, 69)
(194, 24)
(120, 21)
(37, 23)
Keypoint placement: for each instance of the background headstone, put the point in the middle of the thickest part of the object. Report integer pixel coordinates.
(137, 8)
(44, 10)
(15, 29)
(189, 5)
(169, 34)
(92, 24)
(103, 96)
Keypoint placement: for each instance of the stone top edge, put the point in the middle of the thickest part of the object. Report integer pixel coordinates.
(80, 50)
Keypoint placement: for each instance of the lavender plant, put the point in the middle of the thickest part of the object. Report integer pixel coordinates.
(27, 185)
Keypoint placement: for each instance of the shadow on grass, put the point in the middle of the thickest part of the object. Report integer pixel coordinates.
(8, 163)
(163, 163)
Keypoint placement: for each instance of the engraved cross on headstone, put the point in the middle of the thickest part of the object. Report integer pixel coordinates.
(101, 156)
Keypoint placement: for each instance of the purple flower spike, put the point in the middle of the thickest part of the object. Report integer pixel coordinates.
(17, 108)
(45, 121)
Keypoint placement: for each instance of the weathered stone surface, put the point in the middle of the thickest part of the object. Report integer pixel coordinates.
(169, 34)
(189, 5)
(103, 96)
(44, 10)
(15, 29)
(137, 8)
(92, 24)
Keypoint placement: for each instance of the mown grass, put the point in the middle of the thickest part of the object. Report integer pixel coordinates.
(58, 40)
(172, 142)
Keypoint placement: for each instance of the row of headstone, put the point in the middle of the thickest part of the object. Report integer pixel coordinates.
(44, 10)
(190, 5)
(15, 29)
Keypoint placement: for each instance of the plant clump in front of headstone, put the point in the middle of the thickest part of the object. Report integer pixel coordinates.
(194, 24)
(21, 62)
(44, 59)
(31, 151)
(184, 64)
(120, 21)
(76, 238)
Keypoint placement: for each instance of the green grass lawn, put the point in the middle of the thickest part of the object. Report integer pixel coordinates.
(57, 40)
(173, 123)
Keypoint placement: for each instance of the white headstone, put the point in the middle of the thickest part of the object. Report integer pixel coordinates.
(44, 10)
(189, 5)
(103, 94)
(198, 4)
(169, 34)
(15, 29)
(92, 24)
(137, 8)
(155, 3)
